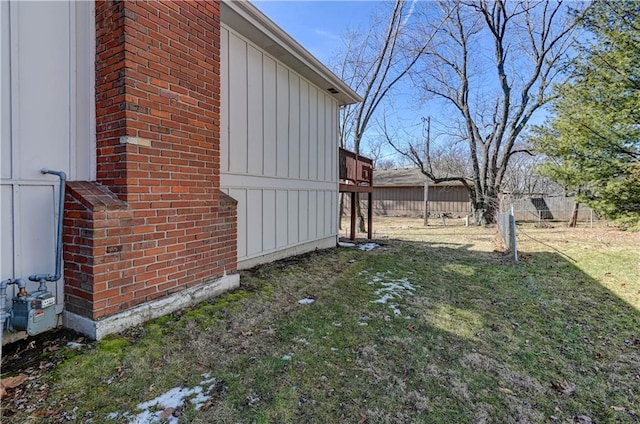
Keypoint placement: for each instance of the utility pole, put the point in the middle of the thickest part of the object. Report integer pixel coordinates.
(426, 181)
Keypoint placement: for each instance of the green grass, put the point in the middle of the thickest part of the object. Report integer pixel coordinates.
(477, 339)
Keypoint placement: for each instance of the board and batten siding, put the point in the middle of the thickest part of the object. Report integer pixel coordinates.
(409, 201)
(279, 153)
(47, 121)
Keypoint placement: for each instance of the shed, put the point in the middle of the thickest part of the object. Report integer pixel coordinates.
(401, 192)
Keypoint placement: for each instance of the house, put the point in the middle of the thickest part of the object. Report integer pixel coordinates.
(196, 137)
(279, 139)
(401, 192)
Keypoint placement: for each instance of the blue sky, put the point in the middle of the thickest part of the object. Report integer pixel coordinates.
(318, 25)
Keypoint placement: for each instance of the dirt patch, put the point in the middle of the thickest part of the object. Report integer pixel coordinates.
(26, 354)
(30, 360)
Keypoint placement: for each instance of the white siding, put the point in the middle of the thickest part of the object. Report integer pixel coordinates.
(268, 216)
(241, 196)
(282, 138)
(313, 132)
(294, 126)
(256, 117)
(304, 129)
(281, 218)
(269, 78)
(48, 121)
(282, 121)
(224, 99)
(292, 217)
(254, 222)
(238, 106)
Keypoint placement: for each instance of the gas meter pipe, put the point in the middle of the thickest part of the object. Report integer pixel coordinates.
(43, 278)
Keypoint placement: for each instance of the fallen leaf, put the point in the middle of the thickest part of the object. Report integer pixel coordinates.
(505, 391)
(15, 381)
(166, 413)
(207, 405)
(45, 413)
(564, 387)
(11, 383)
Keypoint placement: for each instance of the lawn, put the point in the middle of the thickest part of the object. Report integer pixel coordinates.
(434, 325)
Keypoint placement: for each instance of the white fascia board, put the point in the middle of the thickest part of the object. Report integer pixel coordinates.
(246, 19)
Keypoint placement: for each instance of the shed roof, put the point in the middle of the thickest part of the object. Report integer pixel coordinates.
(404, 177)
(249, 21)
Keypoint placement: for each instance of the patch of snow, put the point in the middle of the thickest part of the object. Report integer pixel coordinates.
(74, 345)
(152, 410)
(368, 246)
(306, 301)
(345, 244)
(390, 289)
(383, 299)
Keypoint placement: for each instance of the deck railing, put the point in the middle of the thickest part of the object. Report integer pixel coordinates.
(356, 176)
(355, 170)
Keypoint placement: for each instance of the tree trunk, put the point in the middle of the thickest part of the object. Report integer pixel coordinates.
(573, 220)
(361, 227)
(485, 211)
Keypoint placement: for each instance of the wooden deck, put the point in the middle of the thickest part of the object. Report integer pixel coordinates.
(356, 176)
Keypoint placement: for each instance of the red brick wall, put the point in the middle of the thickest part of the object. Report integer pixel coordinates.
(158, 222)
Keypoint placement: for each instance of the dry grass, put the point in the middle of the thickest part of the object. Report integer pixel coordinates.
(467, 337)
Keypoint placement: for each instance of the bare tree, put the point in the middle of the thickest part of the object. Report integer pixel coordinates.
(524, 179)
(373, 63)
(490, 69)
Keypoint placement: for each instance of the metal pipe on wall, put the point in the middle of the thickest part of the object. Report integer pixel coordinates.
(43, 278)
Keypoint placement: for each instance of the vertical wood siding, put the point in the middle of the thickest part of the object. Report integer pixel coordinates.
(279, 150)
(47, 122)
(409, 201)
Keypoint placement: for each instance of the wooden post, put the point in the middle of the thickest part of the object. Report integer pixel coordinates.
(426, 181)
(426, 203)
(370, 215)
(352, 236)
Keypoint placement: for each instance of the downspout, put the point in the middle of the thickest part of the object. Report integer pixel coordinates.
(44, 278)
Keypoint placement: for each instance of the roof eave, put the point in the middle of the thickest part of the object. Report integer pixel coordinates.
(246, 19)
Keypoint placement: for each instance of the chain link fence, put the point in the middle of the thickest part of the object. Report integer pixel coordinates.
(545, 210)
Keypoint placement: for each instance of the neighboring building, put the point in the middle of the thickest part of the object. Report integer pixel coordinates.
(192, 147)
(401, 192)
